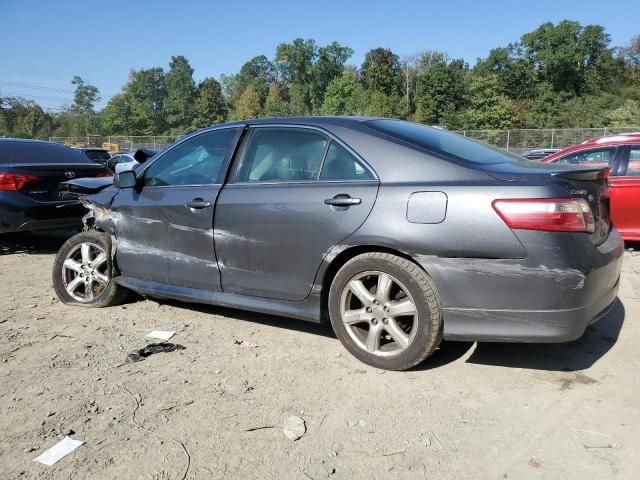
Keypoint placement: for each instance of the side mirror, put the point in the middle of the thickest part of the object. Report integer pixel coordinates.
(125, 179)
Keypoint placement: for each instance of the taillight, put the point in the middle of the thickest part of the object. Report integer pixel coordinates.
(105, 174)
(550, 214)
(15, 182)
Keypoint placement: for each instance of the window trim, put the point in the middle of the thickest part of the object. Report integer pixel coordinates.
(626, 160)
(223, 168)
(242, 152)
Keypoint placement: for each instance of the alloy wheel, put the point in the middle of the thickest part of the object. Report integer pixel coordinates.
(379, 313)
(85, 272)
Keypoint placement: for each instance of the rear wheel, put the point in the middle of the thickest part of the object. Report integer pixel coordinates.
(386, 311)
(83, 271)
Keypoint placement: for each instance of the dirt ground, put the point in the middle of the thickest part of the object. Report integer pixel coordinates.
(216, 409)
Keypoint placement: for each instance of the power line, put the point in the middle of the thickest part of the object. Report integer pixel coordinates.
(36, 87)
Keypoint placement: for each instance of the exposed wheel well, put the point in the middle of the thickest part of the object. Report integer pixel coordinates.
(337, 263)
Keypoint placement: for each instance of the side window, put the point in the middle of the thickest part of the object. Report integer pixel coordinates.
(339, 164)
(197, 161)
(633, 168)
(601, 157)
(282, 155)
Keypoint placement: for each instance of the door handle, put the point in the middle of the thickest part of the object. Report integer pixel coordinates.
(198, 203)
(342, 200)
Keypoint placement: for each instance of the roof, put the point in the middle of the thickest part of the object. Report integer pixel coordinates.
(617, 138)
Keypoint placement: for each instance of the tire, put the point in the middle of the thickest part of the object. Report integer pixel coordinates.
(73, 272)
(403, 328)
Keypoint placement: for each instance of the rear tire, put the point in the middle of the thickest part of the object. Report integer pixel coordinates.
(83, 272)
(386, 311)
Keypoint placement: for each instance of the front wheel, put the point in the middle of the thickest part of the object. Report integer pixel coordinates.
(386, 311)
(83, 270)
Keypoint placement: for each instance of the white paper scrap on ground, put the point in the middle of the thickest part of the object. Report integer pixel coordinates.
(62, 448)
(161, 334)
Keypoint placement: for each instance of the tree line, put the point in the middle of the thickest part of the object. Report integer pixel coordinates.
(559, 75)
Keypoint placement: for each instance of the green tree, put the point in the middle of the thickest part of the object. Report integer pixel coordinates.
(569, 56)
(381, 71)
(181, 93)
(329, 65)
(210, 107)
(148, 94)
(275, 105)
(628, 114)
(440, 88)
(119, 118)
(248, 105)
(487, 107)
(342, 94)
(80, 118)
(294, 63)
(630, 55)
(22, 118)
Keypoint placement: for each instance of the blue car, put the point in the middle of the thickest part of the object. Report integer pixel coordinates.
(30, 173)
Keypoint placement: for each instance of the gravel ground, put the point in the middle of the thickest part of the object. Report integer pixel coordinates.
(217, 408)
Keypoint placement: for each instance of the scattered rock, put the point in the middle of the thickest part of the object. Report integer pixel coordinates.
(245, 344)
(294, 428)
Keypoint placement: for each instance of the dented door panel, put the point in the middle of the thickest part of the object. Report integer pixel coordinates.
(159, 238)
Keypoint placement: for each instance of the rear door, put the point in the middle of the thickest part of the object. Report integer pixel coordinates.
(625, 194)
(164, 229)
(296, 192)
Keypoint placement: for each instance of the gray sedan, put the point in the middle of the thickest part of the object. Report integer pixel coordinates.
(398, 234)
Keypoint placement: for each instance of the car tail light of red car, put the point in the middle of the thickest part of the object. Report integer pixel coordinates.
(548, 214)
(15, 182)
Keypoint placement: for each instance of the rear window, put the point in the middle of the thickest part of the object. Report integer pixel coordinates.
(97, 154)
(442, 142)
(39, 152)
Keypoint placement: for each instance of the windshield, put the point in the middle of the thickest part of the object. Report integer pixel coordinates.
(443, 142)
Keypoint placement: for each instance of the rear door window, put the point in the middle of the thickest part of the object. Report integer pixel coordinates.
(633, 167)
(282, 154)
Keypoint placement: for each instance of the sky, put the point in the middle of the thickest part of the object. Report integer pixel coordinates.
(44, 43)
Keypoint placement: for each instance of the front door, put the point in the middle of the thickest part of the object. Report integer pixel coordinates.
(295, 194)
(164, 229)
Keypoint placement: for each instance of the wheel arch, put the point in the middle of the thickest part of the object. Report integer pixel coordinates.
(341, 255)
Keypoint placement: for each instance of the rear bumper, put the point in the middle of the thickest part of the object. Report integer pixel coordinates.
(563, 285)
(19, 213)
(535, 326)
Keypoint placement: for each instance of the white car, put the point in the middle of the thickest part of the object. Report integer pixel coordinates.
(120, 162)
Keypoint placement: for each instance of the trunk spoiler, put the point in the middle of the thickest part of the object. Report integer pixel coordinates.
(582, 175)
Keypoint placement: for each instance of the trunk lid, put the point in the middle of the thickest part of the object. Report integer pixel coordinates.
(579, 182)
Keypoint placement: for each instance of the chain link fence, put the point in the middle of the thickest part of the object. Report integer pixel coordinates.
(117, 143)
(520, 140)
(516, 140)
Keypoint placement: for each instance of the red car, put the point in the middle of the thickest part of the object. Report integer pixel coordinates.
(622, 154)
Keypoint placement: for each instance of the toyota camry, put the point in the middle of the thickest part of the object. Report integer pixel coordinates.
(398, 234)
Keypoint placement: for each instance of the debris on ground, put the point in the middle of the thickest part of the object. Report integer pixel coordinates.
(161, 334)
(245, 344)
(61, 449)
(152, 349)
(294, 428)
